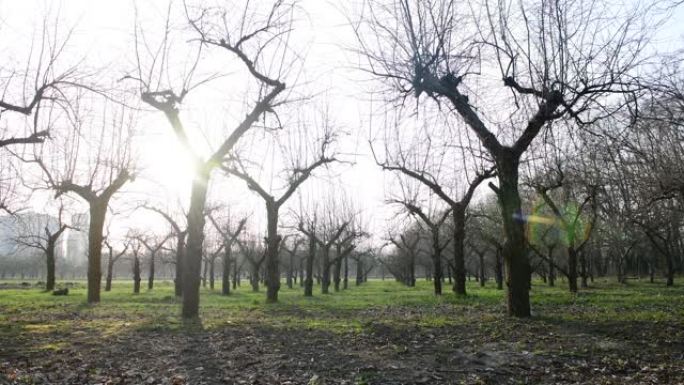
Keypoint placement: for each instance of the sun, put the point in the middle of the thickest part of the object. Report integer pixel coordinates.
(168, 165)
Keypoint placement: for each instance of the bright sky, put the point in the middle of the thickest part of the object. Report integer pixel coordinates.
(103, 37)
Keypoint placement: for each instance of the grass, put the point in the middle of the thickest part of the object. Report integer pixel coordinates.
(608, 330)
(38, 311)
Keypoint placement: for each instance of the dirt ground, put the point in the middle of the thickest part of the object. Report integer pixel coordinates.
(493, 350)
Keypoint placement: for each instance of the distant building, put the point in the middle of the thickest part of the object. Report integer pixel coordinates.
(11, 227)
(77, 240)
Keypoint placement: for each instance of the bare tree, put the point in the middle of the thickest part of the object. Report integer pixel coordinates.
(42, 79)
(154, 245)
(255, 44)
(292, 253)
(298, 174)
(255, 255)
(229, 236)
(136, 245)
(111, 260)
(93, 160)
(180, 232)
(331, 232)
(308, 227)
(407, 250)
(42, 232)
(562, 62)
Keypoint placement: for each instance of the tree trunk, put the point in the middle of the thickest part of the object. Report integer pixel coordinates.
(552, 267)
(272, 246)
(437, 273)
(517, 265)
(212, 265)
(98, 211)
(325, 279)
(572, 269)
(449, 274)
(308, 282)
(670, 269)
(50, 259)
(290, 271)
(225, 281)
(345, 282)
(236, 275)
(180, 251)
(337, 268)
(482, 270)
(458, 213)
(150, 280)
(193, 251)
(498, 269)
(204, 273)
(301, 271)
(110, 271)
(359, 272)
(583, 270)
(254, 278)
(136, 275)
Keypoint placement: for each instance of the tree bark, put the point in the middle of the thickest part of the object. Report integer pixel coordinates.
(325, 279)
(193, 251)
(308, 282)
(225, 279)
(670, 269)
(272, 246)
(337, 268)
(180, 251)
(236, 274)
(572, 269)
(459, 287)
(150, 280)
(212, 265)
(482, 269)
(437, 273)
(583, 270)
(50, 257)
(136, 275)
(517, 266)
(110, 271)
(98, 211)
(345, 281)
(290, 272)
(359, 272)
